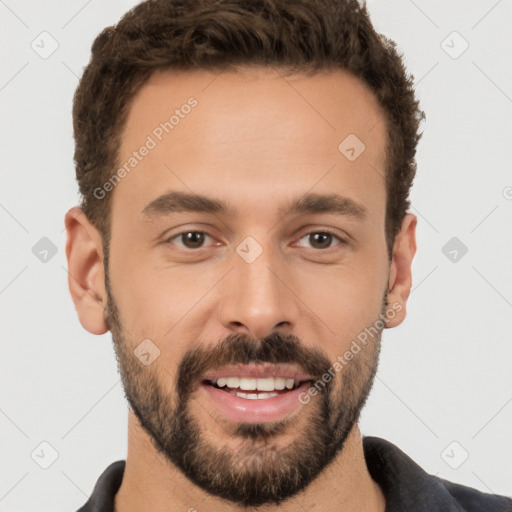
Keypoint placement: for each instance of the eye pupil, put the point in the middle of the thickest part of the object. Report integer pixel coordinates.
(193, 239)
(324, 236)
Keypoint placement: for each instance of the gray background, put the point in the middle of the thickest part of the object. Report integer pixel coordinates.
(444, 388)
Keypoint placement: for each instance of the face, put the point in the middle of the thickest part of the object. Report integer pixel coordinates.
(247, 257)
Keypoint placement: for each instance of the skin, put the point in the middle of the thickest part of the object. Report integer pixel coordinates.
(255, 140)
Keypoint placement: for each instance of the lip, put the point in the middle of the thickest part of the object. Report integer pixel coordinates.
(256, 371)
(255, 411)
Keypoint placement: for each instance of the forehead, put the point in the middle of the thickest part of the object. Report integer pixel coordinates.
(257, 130)
(335, 100)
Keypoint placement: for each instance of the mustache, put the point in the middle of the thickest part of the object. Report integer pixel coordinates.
(242, 349)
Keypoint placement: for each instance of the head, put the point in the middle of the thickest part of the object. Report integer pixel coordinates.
(255, 127)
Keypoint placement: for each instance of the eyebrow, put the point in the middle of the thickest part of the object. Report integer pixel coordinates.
(310, 203)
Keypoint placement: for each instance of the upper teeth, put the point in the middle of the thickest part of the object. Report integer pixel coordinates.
(266, 384)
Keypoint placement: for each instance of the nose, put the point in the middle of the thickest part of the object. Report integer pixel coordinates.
(258, 298)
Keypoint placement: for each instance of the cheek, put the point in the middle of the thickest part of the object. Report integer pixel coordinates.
(154, 302)
(345, 300)
(160, 303)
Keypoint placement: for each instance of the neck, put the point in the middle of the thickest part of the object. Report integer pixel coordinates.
(151, 482)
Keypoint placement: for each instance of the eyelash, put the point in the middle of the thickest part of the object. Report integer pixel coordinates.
(322, 231)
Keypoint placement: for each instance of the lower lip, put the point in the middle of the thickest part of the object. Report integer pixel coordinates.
(259, 410)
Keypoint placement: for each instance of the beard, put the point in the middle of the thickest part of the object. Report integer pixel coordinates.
(260, 471)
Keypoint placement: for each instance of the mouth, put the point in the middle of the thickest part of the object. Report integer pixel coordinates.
(255, 389)
(254, 394)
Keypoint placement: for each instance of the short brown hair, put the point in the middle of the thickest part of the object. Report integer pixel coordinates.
(298, 35)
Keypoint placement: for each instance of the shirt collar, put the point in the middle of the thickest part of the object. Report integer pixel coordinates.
(405, 485)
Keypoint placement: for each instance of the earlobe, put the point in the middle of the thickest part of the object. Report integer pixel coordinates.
(400, 276)
(86, 278)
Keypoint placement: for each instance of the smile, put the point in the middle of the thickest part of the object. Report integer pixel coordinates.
(255, 393)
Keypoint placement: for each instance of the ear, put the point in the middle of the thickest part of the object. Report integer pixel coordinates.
(86, 276)
(400, 275)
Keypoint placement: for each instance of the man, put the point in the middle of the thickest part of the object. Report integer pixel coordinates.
(245, 170)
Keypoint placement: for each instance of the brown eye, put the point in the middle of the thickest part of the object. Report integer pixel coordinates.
(322, 239)
(190, 239)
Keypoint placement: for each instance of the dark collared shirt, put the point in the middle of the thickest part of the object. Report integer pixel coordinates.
(405, 485)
